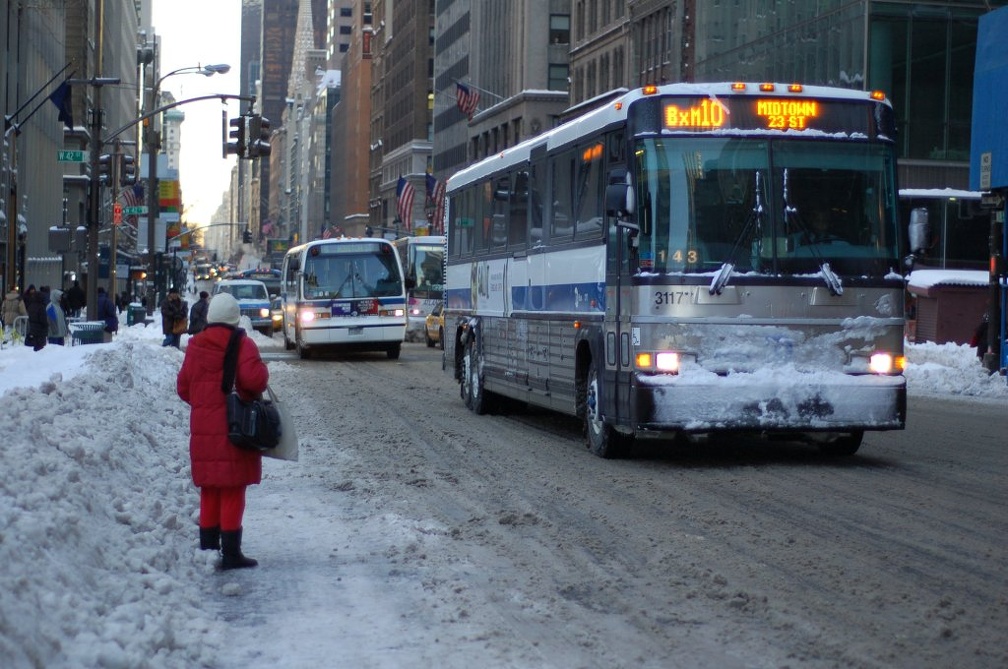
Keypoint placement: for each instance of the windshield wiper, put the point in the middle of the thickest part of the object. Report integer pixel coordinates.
(755, 217)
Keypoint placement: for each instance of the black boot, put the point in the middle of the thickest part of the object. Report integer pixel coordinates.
(231, 550)
(209, 538)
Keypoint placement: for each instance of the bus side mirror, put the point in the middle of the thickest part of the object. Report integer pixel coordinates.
(920, 230)
(619, 200)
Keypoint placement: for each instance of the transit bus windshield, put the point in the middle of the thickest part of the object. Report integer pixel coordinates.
(353, 270)
(765, 205)
(427, 262)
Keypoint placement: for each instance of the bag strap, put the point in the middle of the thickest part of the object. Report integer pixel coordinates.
(231, 360)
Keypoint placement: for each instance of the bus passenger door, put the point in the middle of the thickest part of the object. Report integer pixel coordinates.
(620, 263)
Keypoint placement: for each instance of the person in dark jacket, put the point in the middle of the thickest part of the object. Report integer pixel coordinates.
(107, 312)
(76, 300)
(220, 470)
(173, 315)
(38, 322)
(198, 313)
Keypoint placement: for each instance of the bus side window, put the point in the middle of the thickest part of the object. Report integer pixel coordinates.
(538, 190)
(562, 225)
(518, 219)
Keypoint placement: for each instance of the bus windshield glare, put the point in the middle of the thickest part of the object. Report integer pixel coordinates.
(766, 205)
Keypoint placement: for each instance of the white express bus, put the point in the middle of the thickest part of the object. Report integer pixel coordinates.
(690, 258)
(422, 259)
(343, 294)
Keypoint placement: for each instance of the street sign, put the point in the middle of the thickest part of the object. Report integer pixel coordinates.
(70, 156)
(134, 211)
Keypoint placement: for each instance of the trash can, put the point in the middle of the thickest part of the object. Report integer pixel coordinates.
(87, 332)
(135, 314)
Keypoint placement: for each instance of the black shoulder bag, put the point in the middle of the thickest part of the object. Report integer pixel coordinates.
(255, 425)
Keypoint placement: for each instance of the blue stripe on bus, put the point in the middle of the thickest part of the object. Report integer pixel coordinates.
(565, 297)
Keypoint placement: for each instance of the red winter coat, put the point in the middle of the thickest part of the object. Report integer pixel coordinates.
(215, 460)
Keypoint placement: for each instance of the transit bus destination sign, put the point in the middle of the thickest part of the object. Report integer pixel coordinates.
(723, 113)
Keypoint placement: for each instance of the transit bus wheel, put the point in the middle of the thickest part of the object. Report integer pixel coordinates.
(603, 440)
(844, 445)
(472, 380)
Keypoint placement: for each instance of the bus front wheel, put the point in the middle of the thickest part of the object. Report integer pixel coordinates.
(602, 439)
(472, 381)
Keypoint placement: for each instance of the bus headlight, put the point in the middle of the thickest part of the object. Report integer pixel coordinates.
(886, 363)
(662, 362)
(307, 316)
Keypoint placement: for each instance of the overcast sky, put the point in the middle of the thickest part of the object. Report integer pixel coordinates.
(195, 33)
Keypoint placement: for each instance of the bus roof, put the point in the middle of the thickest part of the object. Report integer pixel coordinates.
(615, 111)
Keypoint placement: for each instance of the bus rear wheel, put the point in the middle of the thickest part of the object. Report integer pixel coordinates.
(393, 351)
(602, 439)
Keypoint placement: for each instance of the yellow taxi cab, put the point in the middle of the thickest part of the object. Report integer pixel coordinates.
(434, 329)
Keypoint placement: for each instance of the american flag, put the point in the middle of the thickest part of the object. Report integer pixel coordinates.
(132, 196)
(404, 201)
(436, 194)
(467, 99)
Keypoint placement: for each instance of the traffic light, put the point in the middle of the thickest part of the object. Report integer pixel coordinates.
(105, 169)
(239, 133)
(259, 136)
(127, 170)
(247, 236)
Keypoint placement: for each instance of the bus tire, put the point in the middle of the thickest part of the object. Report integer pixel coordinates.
(473, 391)
(845, 445)
(303, 351)
(393, 351)
(602, 439)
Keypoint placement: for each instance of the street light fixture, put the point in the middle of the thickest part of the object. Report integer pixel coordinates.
(152, 140)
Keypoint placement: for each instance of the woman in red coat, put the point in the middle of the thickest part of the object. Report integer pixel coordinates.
(220, 470)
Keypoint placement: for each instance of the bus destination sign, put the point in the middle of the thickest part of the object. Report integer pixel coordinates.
(711, 113)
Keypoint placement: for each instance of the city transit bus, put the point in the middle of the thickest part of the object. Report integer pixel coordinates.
(688, 259)
(345, 294)
(422, 259)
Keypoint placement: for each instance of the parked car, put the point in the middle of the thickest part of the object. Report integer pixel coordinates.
(435, 326)
(253, 300)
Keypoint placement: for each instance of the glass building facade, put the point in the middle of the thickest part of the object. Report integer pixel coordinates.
(920, 53)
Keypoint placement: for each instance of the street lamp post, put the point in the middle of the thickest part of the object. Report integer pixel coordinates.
(152, 140)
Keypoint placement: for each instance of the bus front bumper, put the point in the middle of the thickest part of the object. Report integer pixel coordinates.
(331, 333)
(745, 401)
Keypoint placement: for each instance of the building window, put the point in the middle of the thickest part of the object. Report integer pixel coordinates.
(559, 29)
(558, 77)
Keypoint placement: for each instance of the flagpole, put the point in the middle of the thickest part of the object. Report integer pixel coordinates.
(9, 118)
(481, 90)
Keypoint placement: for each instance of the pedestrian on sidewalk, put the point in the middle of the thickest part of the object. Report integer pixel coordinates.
(56, 318)
(220, 470)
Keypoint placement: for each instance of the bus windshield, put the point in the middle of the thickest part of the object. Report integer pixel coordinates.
(766, 205)
(427, 262)
(351, 274)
